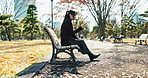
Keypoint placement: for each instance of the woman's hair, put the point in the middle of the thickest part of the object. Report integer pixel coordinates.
(67, 16)
(70, 12)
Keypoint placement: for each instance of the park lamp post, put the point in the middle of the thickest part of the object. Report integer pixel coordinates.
(51, 14)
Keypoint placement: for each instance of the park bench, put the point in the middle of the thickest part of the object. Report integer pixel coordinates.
(141, 39)
(119, 39)
(57, 47)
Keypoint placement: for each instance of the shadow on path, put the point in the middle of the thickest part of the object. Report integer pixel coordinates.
(61, 68)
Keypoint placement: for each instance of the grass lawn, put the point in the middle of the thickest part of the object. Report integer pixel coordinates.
(15, 56)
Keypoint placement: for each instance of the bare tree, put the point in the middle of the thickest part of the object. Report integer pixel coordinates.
(128, 8)
(6, 6)
(100, 10)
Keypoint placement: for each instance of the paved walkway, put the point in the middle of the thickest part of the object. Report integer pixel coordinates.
(117, 60)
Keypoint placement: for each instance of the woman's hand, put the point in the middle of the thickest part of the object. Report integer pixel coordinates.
(83, 26)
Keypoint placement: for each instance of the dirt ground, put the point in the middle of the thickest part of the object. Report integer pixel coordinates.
(117, 60)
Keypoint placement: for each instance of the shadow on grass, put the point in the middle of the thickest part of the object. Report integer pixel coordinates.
(31, 70)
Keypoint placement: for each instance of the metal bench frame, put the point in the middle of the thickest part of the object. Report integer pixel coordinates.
(57, 48)
(120, 39)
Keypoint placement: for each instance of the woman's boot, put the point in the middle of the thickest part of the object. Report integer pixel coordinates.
(93, 56)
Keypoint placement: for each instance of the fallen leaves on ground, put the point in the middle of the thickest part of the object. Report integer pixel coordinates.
(15, 56)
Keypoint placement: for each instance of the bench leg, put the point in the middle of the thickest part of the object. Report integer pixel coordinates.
(52, 60)
(72, 55)
(140, 42)
(145, 42)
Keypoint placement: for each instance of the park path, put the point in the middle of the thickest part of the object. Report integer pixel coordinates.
(117, 60)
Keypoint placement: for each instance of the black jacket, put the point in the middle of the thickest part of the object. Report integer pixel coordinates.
(67, 33)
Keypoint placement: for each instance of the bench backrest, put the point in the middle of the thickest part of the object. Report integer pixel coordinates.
(52, 35)
(143, 36)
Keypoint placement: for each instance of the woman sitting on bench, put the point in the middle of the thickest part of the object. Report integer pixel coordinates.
(68, 35)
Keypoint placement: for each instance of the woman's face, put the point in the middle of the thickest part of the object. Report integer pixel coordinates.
(72, 17)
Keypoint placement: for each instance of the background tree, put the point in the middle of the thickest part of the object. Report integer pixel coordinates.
(14, 30)
(94, 33)
(100, 10)
(85, 32)
(129, 26)
(145, 26)
(112, 29)
(21, 28)
(31, 26)
(145, 14)
(5, 27)
(142, 27)
(128, 8)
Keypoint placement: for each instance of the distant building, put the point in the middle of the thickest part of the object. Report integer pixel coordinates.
(136, 17)
(57, 25)
(20, 8)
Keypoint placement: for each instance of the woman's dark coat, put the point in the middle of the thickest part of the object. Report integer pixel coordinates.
(67, 33)
(68, 36)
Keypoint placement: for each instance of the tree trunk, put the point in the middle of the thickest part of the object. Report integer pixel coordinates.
(8, 33)
(102, 32)
(1, 35)
(43, 37)
(123, 31)
(102, 29)
(31, 35)
(21, 34)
